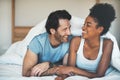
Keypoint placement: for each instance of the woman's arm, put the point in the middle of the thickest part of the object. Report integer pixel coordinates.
(75, 42)
(106, 57)
(71, 60)
(103, 64)
(102, 67)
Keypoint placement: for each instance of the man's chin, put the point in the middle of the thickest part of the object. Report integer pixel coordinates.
(65, 40)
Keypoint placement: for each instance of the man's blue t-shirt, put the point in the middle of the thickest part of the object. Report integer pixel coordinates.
(40, 45)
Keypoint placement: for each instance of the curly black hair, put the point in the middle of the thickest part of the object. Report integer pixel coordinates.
(104, 14)
(53, 19)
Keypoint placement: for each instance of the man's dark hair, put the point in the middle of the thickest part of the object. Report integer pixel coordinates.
(53, 19)
(104, 14)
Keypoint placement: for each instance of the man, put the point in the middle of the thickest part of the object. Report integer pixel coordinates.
(49, 47)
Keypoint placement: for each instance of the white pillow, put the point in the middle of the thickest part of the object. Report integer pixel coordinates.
(19, 48)
(76, 25)
(115, 60)
(11, 56)
(11, 59)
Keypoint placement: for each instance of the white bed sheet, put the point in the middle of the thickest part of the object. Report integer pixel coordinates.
(14, 72)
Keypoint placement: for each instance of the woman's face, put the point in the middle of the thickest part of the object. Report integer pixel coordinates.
(90, 30)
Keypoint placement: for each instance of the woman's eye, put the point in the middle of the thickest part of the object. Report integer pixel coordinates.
(88, 25)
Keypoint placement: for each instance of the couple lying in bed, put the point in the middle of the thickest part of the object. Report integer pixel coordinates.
(89, 54)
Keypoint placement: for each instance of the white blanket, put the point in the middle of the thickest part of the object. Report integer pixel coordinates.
(15, 54)
(13, 72)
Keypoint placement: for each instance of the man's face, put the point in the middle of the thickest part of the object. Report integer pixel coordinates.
(63, 31)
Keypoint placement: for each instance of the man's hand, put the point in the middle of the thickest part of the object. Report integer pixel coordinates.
(38, 69)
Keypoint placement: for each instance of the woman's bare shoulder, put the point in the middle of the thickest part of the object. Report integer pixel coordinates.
(76, 38)
(108, 46)
(75, 42)
(108, 42)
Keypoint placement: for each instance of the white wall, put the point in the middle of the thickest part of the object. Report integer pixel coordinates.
(115, 27)
(5, 24)
(36, 10)
(31, 12)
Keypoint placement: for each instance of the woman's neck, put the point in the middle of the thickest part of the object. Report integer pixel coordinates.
(92, 43)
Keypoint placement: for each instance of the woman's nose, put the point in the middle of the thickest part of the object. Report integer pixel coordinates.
(83, 27)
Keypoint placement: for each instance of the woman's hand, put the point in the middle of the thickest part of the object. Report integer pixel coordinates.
(64, 70)
(50, 71)
(59, 78)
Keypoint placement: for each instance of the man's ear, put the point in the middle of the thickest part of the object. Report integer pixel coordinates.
(52, 31)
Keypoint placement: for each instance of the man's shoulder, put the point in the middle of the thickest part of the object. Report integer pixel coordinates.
(41, 37)
(70, 37)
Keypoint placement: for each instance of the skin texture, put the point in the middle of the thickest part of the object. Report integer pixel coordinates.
(91, 34)
(57, 37)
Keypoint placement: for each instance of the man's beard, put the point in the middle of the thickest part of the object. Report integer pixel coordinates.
(60, 38)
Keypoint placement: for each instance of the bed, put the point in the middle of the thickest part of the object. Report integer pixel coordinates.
(11, 61)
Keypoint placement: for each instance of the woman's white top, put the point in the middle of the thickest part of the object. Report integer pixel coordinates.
(86, 64)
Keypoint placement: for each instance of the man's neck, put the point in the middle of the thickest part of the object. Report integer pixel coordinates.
(53, 41)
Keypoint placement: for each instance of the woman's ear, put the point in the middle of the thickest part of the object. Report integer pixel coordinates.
(52, 31)
(101, 29)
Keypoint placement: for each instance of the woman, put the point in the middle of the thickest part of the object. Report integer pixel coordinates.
(90, 54)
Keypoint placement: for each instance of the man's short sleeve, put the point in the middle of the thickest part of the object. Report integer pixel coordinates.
(35, 46)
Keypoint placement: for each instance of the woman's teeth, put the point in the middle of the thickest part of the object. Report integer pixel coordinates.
(84, 32)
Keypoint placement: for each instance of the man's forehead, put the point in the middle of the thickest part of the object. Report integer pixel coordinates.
(64, 22)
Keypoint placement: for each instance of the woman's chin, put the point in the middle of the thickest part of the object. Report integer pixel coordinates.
(84, 37)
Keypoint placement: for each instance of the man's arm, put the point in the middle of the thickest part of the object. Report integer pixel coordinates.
(30, 60)
(30, 66)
